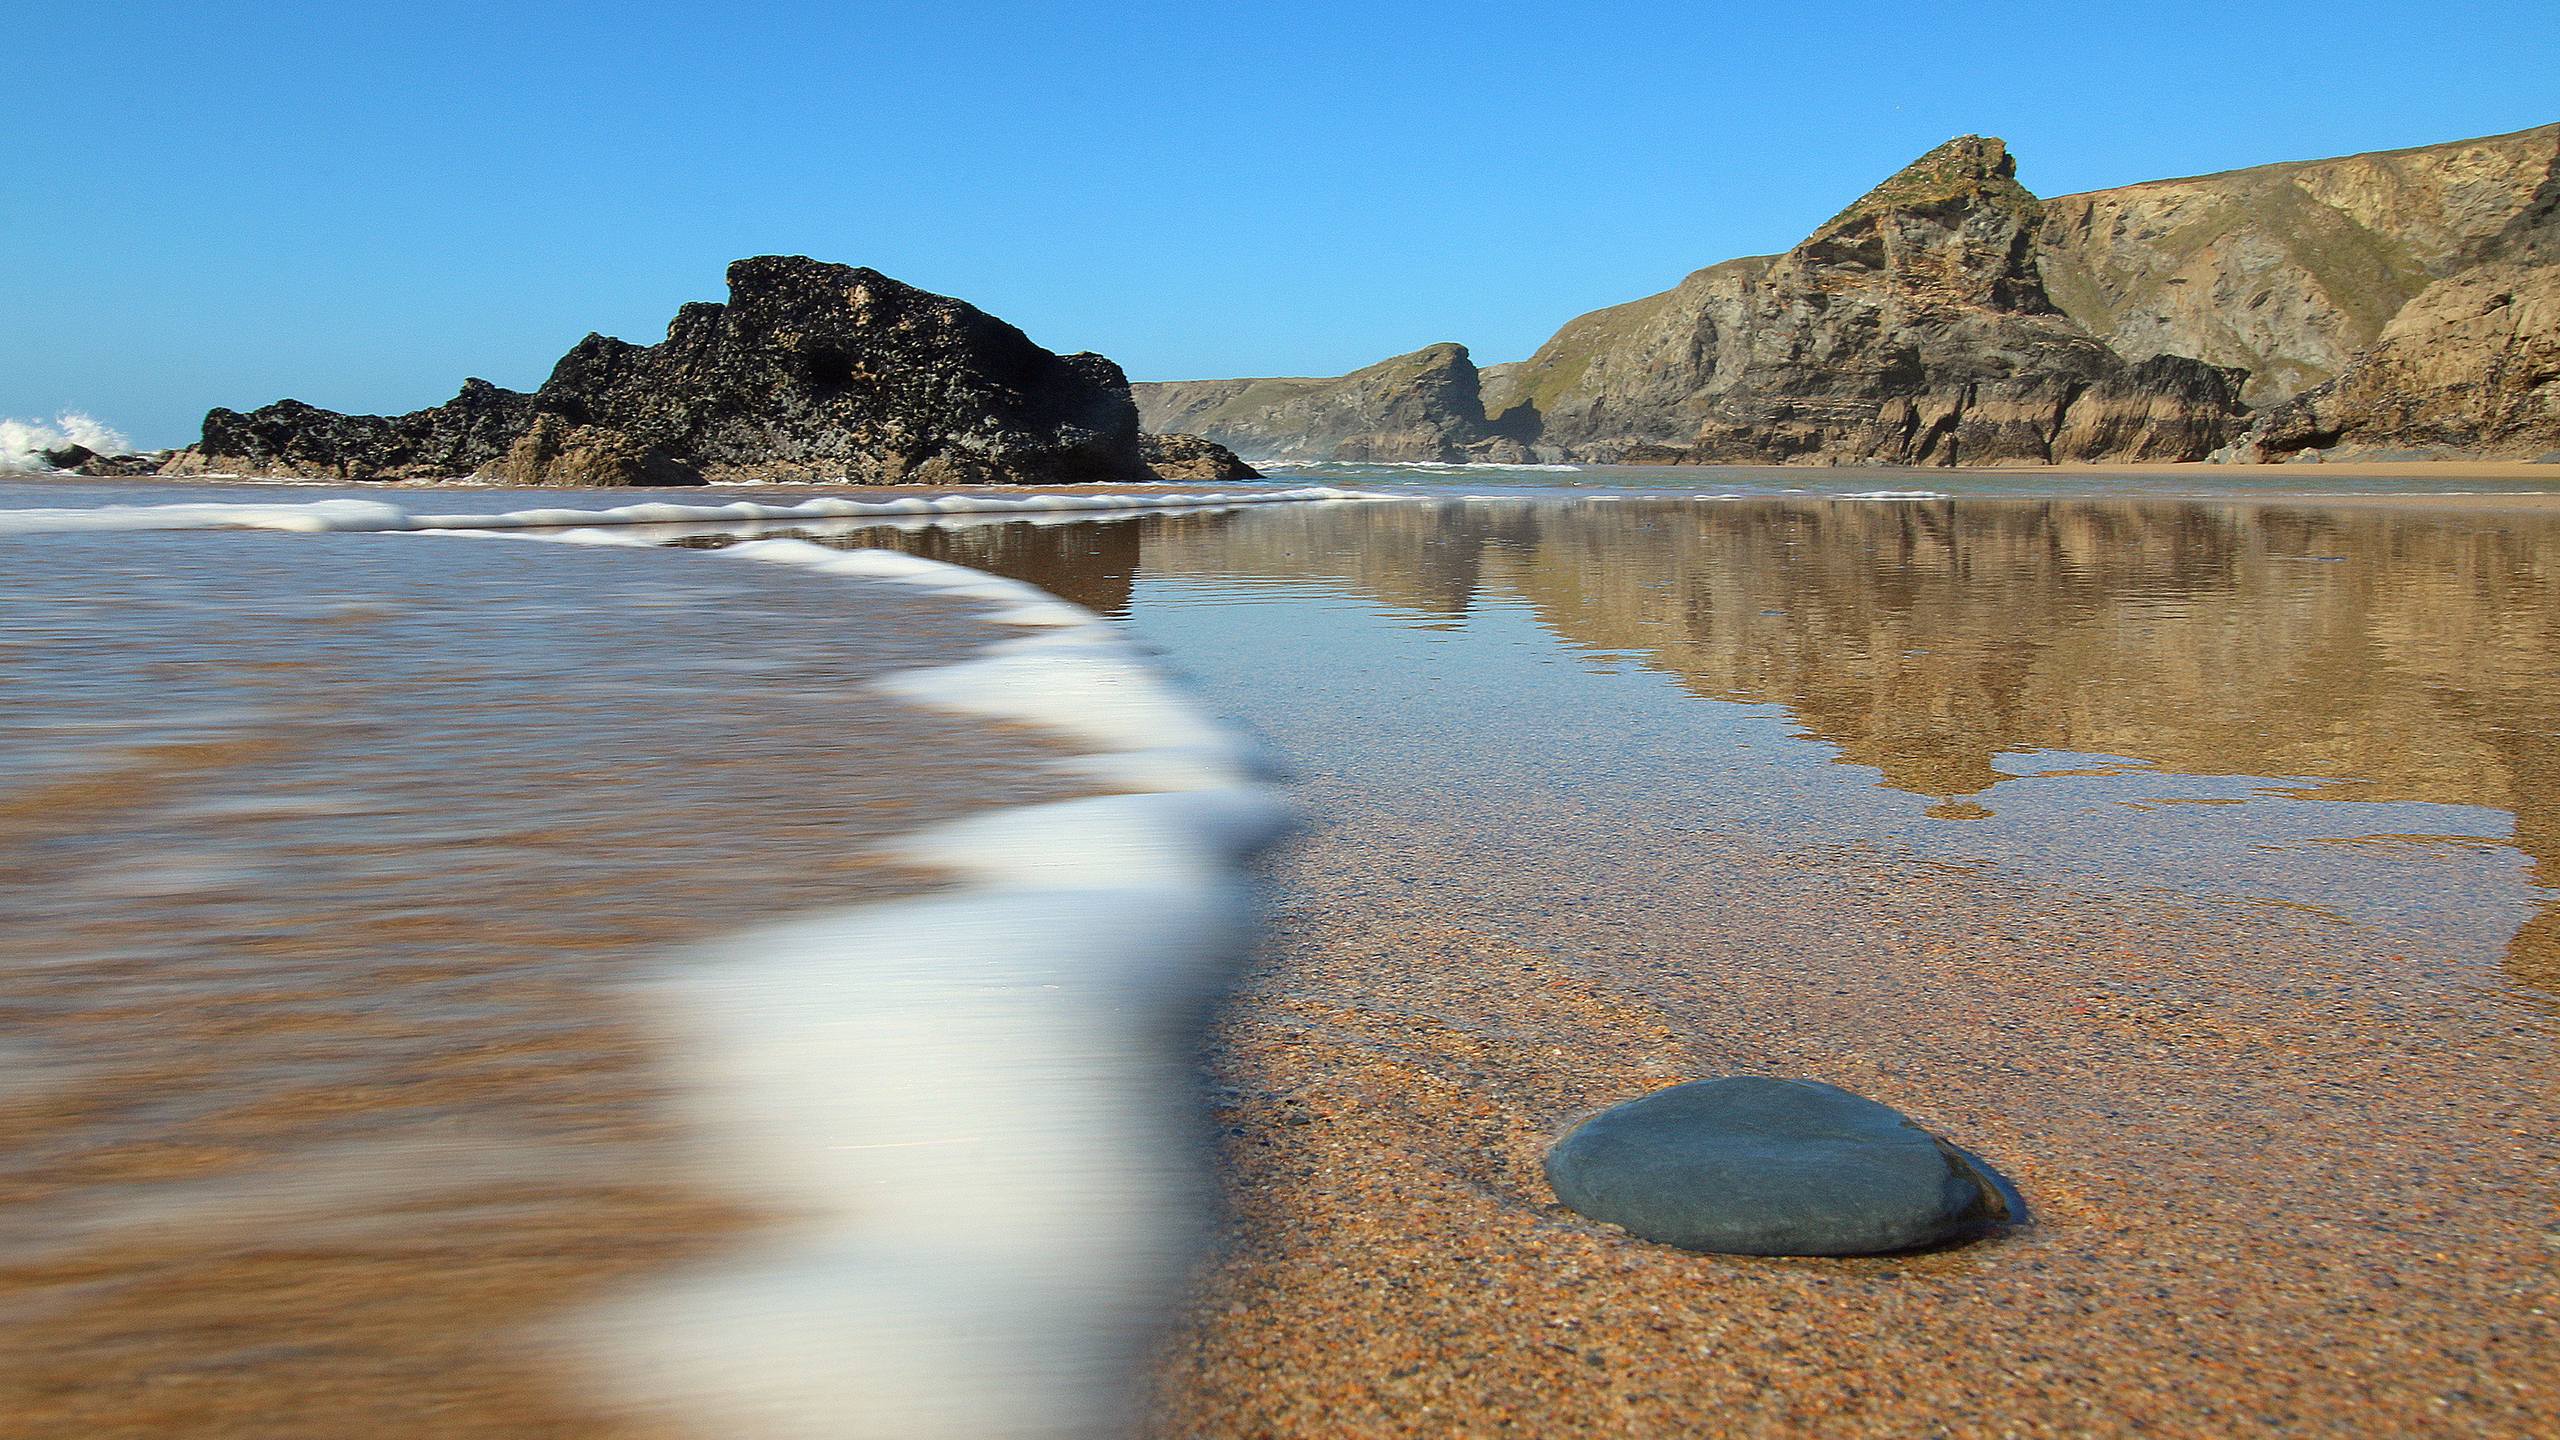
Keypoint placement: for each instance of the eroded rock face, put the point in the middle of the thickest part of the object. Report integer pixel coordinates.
(1190, 457)
(2469, 367)
(810, 372)
(1425, 406)
(1912, 329)
(2283, 270)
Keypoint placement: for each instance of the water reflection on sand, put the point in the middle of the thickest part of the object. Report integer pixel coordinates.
(2105, 675)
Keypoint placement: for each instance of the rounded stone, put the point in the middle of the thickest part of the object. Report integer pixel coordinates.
(1752, 1165)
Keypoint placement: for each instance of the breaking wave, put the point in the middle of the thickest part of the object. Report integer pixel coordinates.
(24, 443)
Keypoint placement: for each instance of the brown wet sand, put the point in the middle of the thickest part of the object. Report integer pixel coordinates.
(2308, 474)
(2292, 1172)
(322, 862)
(2277, 1187)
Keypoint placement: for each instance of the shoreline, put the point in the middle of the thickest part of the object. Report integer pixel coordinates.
(806, 1240)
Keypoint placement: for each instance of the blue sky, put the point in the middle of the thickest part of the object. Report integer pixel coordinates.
(357, 205)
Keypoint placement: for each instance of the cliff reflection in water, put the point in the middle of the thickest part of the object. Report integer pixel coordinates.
(2391, 654)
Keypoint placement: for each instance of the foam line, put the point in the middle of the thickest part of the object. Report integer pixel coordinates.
(972, 1109)
(375, 515)
(976, 1106)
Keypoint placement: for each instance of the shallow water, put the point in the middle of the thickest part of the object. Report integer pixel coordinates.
(2337, 709)
(2197, 859)
(1739, 482)
(327, 864)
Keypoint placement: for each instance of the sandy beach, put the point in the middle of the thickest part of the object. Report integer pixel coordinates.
(2189, 860)
(2285, 1120)
(329, 1106)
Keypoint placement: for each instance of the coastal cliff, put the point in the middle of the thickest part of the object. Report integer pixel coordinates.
(1426, 406)
(1951, 317)
(1910, 329)
(2285, 271)
(810, 371)
(2471, 366)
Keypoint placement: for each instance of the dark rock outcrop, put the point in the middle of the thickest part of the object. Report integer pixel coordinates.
(291, 438)
(2469, 367)
(1425, 406)
(1755, 1166)
(810, 372)
(1192, 457)
(76, 459)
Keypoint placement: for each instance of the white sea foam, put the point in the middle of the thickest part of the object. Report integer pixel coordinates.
(375, 515)
(23, 443)
(1893, 495)
(976, 1105)
(974, 1108)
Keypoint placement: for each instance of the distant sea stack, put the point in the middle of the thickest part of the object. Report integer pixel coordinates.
(1951, 317)
(810, 372)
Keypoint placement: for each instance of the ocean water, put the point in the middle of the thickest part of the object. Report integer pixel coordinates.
(370, 810)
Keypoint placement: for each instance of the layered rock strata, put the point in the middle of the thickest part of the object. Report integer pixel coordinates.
(1951, 317)
(2470, 367)
(2288, 270)
(1911, 329)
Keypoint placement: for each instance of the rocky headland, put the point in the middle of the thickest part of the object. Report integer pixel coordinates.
(810, 372)
(1952, 317)
(1427, 406)
(2470, 366)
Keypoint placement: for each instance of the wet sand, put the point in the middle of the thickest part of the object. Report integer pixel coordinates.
(325, 863)
(2307, 474)
(1617, 796)
(2192, 862)
(2281, 1184)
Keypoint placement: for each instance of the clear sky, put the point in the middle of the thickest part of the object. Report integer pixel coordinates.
(358, 204)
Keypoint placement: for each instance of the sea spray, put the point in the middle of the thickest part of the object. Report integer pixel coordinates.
(24, 444)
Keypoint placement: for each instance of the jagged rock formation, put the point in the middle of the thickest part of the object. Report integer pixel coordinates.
(1191, 457)
(810, 372)
(2283, 270)
(1911, 329)
(77, 459)
(291, 438)
(1419, 407)
(1953, 317)
(2471, 366)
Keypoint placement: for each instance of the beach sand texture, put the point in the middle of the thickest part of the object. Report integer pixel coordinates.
(329, 860)
(2276, 1073)
(2192, 862)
